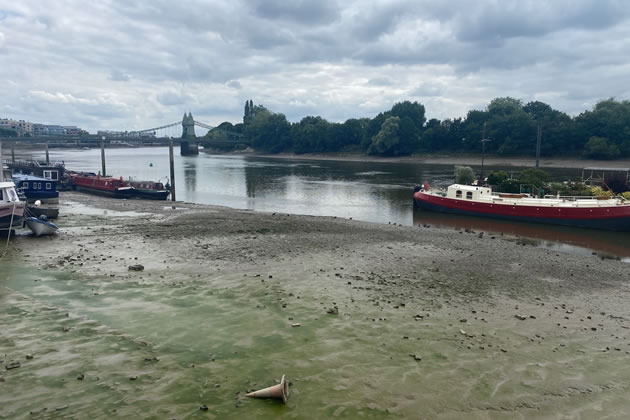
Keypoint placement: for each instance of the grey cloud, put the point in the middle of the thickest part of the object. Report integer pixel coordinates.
(235, 84)
(381, 81)
(301, 11)
(170, 98)
(269, 50)
(118, 76)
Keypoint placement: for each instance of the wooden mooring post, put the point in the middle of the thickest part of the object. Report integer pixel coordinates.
(103, 173)
(172, 167)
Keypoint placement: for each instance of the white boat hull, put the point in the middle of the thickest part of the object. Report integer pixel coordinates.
(40, 227)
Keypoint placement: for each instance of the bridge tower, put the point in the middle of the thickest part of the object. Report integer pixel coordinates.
(188, 136)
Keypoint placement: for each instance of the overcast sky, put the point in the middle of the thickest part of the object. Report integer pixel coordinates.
(136, 64)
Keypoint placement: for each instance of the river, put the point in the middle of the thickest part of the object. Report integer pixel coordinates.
(379, 192)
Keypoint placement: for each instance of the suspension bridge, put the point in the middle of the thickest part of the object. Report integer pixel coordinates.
(155, 136)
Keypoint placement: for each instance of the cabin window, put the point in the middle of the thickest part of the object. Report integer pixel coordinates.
(52, 175)
(1, 195)
(115, 183)
(458, 194)
(469, 195)
(48, 186)
(25, 185)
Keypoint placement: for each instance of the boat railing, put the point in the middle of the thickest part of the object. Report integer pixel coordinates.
(578, 197)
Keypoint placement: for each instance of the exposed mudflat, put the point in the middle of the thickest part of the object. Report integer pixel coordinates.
(425, 323)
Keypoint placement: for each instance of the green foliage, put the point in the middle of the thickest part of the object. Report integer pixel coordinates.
(533, 176)
(600, 148)
(510, 186)
(269, 132)
(497, 177)
(600, 192)
(626, 195)
(464, 175)
(510, 125)
(386, 141)
(570, 188)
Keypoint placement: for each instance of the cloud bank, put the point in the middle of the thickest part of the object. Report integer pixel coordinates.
(133, 65)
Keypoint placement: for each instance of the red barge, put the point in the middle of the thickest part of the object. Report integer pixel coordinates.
(101, 185)
(589, 212)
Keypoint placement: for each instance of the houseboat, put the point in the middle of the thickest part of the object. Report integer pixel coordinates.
(36, 188)
(149, 190)
(589, 212)
(100, 185)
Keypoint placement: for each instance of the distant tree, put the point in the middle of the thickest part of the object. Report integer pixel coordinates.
(387, 140)
(246, 114)
(534, 176)
(413, 110)
(600, 148)
(269, 132)
(464, 175)
(409, 135)
(497, 177)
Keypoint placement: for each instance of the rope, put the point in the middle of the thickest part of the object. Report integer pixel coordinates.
(6, 247)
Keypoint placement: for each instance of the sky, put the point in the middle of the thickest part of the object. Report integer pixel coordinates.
(133, 65)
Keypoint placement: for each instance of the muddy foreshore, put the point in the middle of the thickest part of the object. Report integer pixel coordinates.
(425, 323)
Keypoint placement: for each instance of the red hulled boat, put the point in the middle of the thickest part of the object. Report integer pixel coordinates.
(101, 185)
(590, 212)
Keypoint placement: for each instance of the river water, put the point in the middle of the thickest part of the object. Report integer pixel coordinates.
(379, 192)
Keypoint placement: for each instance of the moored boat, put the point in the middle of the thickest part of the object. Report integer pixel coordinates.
(149, 190)
(589, 212)
(101, 185)
(11, 208)
(36, 188)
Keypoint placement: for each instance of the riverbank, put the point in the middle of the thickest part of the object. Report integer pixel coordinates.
(456, 159)
(425, 322)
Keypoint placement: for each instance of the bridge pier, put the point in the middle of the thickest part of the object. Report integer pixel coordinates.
(188, 149)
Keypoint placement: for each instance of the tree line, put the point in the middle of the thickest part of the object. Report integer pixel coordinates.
(511, 126)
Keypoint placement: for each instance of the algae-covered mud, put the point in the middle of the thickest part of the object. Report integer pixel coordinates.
(394, 322)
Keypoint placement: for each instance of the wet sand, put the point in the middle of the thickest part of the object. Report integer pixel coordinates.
(431, 323)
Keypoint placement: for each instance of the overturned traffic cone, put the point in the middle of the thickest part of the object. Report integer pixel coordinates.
(280, 391)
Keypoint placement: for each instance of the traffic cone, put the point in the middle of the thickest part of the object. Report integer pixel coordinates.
(280, 391)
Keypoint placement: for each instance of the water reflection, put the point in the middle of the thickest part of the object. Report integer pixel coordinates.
(559, 238)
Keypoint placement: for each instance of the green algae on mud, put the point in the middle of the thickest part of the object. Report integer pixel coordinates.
(421, 332)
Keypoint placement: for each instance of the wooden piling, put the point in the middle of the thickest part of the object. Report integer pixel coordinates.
(172, 166)
(103, 156)
(13, 152)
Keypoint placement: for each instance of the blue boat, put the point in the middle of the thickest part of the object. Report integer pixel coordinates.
(36, 188)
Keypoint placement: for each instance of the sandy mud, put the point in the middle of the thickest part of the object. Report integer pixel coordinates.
(394, 322)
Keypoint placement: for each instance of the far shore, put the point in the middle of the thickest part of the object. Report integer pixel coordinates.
(453, 159)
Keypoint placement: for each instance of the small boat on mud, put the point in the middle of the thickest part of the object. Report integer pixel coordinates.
(589, 212)
(149, 190)
(100, 185)
(40, 226)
